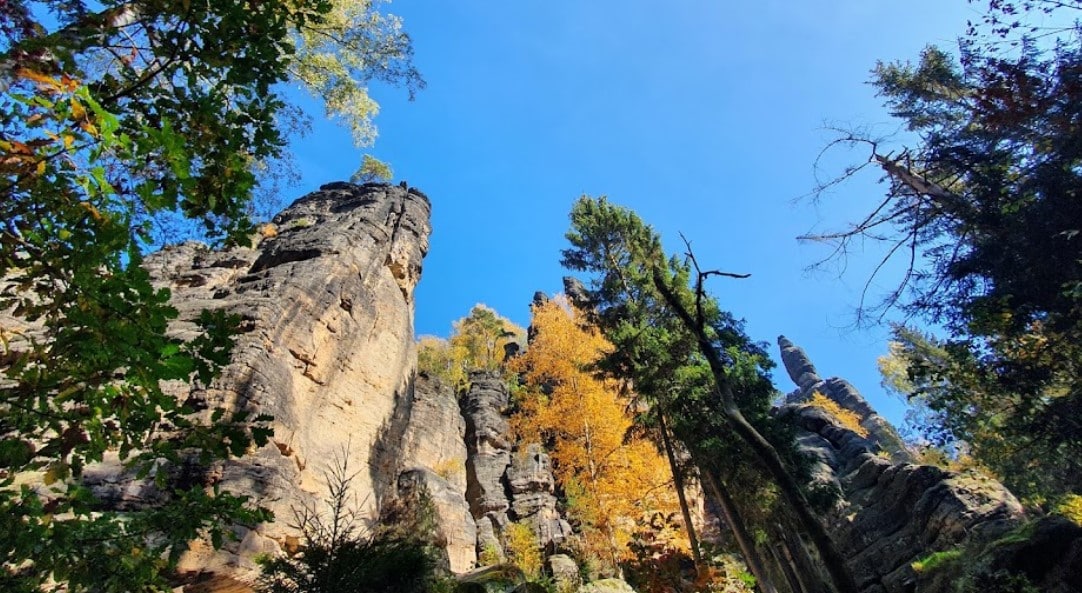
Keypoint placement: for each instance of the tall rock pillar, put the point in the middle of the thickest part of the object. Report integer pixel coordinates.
(326, 347)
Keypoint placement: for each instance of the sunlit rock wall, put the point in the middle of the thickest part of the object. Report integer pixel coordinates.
(893, 512)
(326, 347)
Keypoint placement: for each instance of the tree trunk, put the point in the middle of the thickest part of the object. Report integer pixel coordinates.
(740, 531)
(678, 481)
(763, 450)
(780, 555)
(797, 554)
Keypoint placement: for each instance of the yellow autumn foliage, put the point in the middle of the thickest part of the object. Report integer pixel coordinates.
(847, 418)
(523, 550)
(440, 358)
(1070, 506)
(478, 341)
(609, 481)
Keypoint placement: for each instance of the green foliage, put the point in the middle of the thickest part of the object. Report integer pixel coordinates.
(479, 341)
(372, 169)
(441, 359)
(484, 337)
(339, 555)
(691, 360)
(1018, 430)
(937, 560)
(1070, 506)
(976, 567)
(336, 55)
(114, 115)
(985, 207)
(489, 556)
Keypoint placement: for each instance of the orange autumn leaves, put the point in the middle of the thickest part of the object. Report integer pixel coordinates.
(610, 481)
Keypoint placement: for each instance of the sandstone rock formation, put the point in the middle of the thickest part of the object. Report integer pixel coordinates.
(430, 455)
(893, 512)
(488, 449)
(503, 484)
(803, 373)
(533, 502)
(326, 349)
(456, 532)
(564, 571)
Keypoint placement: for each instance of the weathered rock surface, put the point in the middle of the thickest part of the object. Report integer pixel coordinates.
(503, 484)
(435, 433)
(488, 448)
(564, 572)
(892, 513)
(326, 349)
(457, 532)
(425, 445)
(802, 372)
(533, 501)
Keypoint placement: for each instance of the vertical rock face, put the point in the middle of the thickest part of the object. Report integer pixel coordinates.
(457, 533)
(505, 485)
(326, 349)
(892, 512)
(488, 449)
(532, 499)
(431, 455)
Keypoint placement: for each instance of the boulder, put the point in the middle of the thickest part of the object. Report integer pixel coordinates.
(564, 572)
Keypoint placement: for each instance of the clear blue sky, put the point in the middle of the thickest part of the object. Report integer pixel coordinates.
(703, 116)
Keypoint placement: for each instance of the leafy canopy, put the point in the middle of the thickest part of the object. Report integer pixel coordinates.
(113, 114)
(667, 330)
(985, 209)
(611, 480)
(481, 340)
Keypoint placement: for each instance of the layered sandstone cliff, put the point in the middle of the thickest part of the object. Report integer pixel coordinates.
(326, 347)
(894, 512)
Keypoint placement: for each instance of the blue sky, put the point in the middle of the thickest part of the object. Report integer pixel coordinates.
(705, 117)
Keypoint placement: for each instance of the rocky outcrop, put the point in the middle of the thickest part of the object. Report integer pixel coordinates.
(892, 512)
(881, 433)
(457, 534)
(505, 484)
(564, 572)
(431, 458)
(326, 346)
(488, 449)
(533, 501)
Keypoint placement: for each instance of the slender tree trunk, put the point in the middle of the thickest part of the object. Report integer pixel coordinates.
(763, 450)
(797, 554)
(678, 481)
(779, 553)
(740, 531)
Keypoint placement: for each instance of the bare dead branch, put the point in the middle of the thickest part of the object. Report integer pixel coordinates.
(701, 276)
